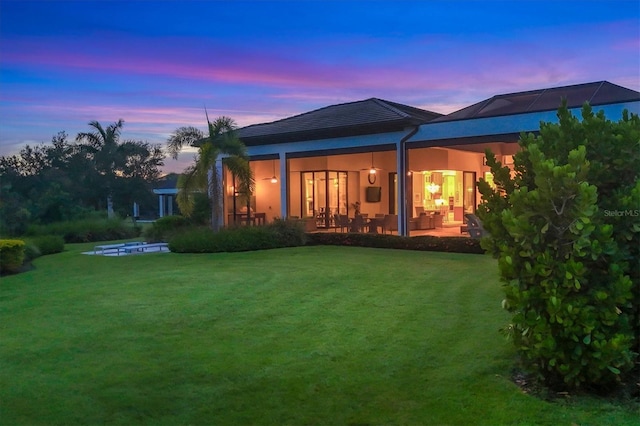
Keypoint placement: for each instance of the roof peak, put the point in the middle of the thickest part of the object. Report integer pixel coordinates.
(547, 99)
(365, 116)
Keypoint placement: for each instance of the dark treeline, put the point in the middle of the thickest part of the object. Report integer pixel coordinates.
(66, 180)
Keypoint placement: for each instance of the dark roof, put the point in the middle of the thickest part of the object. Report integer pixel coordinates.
(167, 181)
(350, 119)
(596, 93)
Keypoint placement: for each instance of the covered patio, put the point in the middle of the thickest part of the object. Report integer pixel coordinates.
(375, 158)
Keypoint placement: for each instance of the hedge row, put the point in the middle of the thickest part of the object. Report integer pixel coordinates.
(424, 243)
(87, 230)
(43, 245)
(245, 238)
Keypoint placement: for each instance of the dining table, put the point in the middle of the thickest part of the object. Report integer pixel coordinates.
(256, 218)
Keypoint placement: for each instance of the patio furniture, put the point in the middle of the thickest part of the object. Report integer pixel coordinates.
(474, 226)
(241, 218)
(375, 222)
(144, 247)
(116, 247)
(357, 224)
(390, 223)
(424, 221)
(437, 219)
(341, 221)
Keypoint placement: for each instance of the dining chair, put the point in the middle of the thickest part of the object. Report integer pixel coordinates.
(341, 221)
(390, 223)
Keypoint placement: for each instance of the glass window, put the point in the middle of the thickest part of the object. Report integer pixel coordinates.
(324, 193)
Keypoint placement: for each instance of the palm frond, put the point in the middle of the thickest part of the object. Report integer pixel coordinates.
(229, 144)
(239, 167)
(189, 182)
(182, 137)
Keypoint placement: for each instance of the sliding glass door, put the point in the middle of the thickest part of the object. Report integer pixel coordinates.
(324, 193)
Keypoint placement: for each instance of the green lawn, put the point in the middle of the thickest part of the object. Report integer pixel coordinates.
(302, 336)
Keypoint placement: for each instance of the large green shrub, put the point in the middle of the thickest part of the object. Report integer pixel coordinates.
(11, 255)
(568, 264)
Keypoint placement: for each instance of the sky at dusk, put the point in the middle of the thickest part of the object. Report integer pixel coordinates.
(158, 64)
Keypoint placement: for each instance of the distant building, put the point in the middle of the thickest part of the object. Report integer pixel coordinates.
(166, 189)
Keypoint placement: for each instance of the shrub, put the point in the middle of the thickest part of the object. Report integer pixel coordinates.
(87, 230)
(46, 244)
(163, 228)
(11, 255)
(423, 243)
(31, 251)
(243, 238)
(569, 268)
(288, 233)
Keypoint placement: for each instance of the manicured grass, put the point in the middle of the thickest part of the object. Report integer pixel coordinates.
(310, 335)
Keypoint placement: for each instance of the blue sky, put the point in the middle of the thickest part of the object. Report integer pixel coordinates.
(157, 64)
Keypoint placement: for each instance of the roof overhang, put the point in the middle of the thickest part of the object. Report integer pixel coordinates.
(502, 128)
(166, 191)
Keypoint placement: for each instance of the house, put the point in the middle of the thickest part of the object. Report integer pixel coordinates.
(389, 158)
(166, 190)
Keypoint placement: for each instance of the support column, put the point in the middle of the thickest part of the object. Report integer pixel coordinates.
(401, 167)
(403, 195)
(284, 179)
(169, 205)
(161, 205)
(216, 190)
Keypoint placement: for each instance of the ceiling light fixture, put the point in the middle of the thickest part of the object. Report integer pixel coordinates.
(273, 178)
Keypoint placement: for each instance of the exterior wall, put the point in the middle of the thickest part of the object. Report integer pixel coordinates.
(267, 194)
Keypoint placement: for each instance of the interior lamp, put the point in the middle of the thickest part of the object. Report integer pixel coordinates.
(433, 187)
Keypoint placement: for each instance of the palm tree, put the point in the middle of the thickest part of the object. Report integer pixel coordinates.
(206, 173)
(105, 151)
(114, 167)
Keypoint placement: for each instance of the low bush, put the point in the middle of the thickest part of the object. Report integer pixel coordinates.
(163, 228)
(87, 230)
(289, 233)
(424, 243)
(246, 238)
(46, 244)
(11, 255)
(31, 251)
